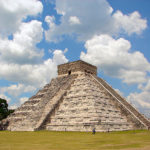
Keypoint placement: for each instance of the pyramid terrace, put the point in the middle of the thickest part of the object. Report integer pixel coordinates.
(76, 100)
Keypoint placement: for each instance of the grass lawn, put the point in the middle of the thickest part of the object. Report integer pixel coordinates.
(47, 140)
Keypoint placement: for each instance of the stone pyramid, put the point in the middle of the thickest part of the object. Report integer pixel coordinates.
(77, 100)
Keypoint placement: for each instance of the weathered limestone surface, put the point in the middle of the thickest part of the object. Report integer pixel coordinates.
(86, 106)
(76, 66)
(29, 116)
(125, 107)
(77, 100)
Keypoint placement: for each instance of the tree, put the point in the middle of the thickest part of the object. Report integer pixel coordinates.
(4, 112)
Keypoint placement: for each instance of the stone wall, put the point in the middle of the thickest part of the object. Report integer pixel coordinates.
(132, 114)
(77, 66)
(75, 102)
(26, 117)
(86, 106)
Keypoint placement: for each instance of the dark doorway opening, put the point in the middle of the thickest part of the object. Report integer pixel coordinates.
(69, 72)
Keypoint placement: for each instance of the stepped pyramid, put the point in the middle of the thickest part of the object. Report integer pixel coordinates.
(77, 100)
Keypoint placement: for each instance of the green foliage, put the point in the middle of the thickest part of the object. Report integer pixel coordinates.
(10, 111)
(4, 112)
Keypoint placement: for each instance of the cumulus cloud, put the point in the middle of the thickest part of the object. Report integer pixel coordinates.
(50, 20)
(21, 61)
(92, 18)
(16, 90)
(133, 76)
(113, 56)
(30, 77)
(132, 23)
(23, 99)
(22, 48)
(82, 22)
(59, 57)
(5, 97)
(13, 106)
(12, 12)
(33, 74)
(19, 102)
(74, 20)
(141, 100)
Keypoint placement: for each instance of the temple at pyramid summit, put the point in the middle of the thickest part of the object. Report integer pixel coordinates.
(76, 100)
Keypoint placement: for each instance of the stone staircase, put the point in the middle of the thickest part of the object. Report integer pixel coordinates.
(77, 100)
(130, 111)
(54, 103)
(85, 106)
(28, 116)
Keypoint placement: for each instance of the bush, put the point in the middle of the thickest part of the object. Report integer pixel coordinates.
(4, 111)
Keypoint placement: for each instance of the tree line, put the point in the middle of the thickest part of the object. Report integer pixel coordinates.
(4, 111)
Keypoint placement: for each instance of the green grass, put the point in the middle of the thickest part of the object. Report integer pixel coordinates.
(46, 140)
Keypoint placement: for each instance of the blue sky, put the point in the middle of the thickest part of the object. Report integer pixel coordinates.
(36, 36)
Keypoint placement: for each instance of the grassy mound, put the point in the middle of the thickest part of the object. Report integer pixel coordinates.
(46, 140)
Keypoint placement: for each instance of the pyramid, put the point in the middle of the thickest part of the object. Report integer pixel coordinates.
(77, 100)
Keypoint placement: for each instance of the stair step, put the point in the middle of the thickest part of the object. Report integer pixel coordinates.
(31, 102)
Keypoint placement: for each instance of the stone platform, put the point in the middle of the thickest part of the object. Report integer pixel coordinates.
(77, 100)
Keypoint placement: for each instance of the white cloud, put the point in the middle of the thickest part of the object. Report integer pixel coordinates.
(31, 74)
(23, 99)
(133, 76)
(59, 57)
(16, 90)
(92, 18)
(132, 23)
(22, 62)
(119, 92)
(12, 12)
(5, 97)
(113, 56)
(22, 49)
(29, 77)
(147, 87)
(20, 59)
(78, 18)
(13, 106)
(74, 20)
(50, 20)
(141, 100)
